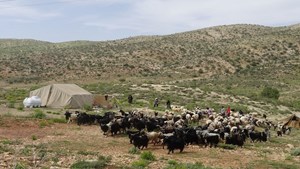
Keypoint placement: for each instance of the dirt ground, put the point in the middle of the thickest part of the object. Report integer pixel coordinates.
(23, 139)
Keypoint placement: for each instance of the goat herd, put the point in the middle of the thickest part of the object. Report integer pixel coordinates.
(200, 127)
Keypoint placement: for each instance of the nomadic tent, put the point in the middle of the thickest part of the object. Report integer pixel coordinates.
(63, 96)
(292, 121)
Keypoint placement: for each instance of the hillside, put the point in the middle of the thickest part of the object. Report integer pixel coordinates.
(207, 67)
(222, 50)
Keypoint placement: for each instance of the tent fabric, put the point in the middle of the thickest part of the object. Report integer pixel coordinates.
(63, 95)
(292, 121)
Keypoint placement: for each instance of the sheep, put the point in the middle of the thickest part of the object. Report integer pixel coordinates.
(169, 122)
(207, 122)
(154, 137)
(195, 117)
(177, 109)
(179, 122)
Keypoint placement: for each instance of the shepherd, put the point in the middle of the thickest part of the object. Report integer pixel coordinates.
(156, 102)
(130, 98)
(168, 104)
(228, 111)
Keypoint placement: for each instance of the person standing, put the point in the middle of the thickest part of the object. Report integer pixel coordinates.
(156, 102)
(222, 112)
(228, 111)
(130, 99)
(168, 104)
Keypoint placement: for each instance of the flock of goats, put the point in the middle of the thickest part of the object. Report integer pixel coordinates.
(179, 127)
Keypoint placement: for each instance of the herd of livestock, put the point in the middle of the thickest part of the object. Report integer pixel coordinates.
(177, 130)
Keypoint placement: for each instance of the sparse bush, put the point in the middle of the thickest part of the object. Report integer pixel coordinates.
(86, 153)
(281, 165)
(20, 166)
(140, 164)
(57, 120)
(26, 151)
(295, 152)
(38, 114)
(89, 164)
(172, 162)
(97, 164)
(57, 113)
(134, 150)
(43, 124)
(34, 137)
(174, 165)
(271, 93)
(4, 148)
(11, 104)
(11, 142)
(122, 80)
(227, 146)
(87, 107)
(147, 155)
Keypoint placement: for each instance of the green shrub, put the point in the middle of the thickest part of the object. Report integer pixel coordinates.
(87, 107)
(295, 152)
(281, 165)
(57, 113)
(20, 166)
(140, 164)
(147, 155)
(271, 93)
(227, 146)
(97, 164)
(11, 142)
(43, 124)
(88, 164)
(20, 107)
(175, 165)
(11, 104)
(4, 148)
(34, 137)
(134, 150)
(86, 153)
(38, 114)
(122, 80)
(57, 120)
(172, 162)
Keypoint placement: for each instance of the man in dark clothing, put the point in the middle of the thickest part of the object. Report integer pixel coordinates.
(130, 98)
(168, 104)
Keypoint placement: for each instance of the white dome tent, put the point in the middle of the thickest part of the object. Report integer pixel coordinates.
(33, 101)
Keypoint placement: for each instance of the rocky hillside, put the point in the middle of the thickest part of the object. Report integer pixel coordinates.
(217, 51)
